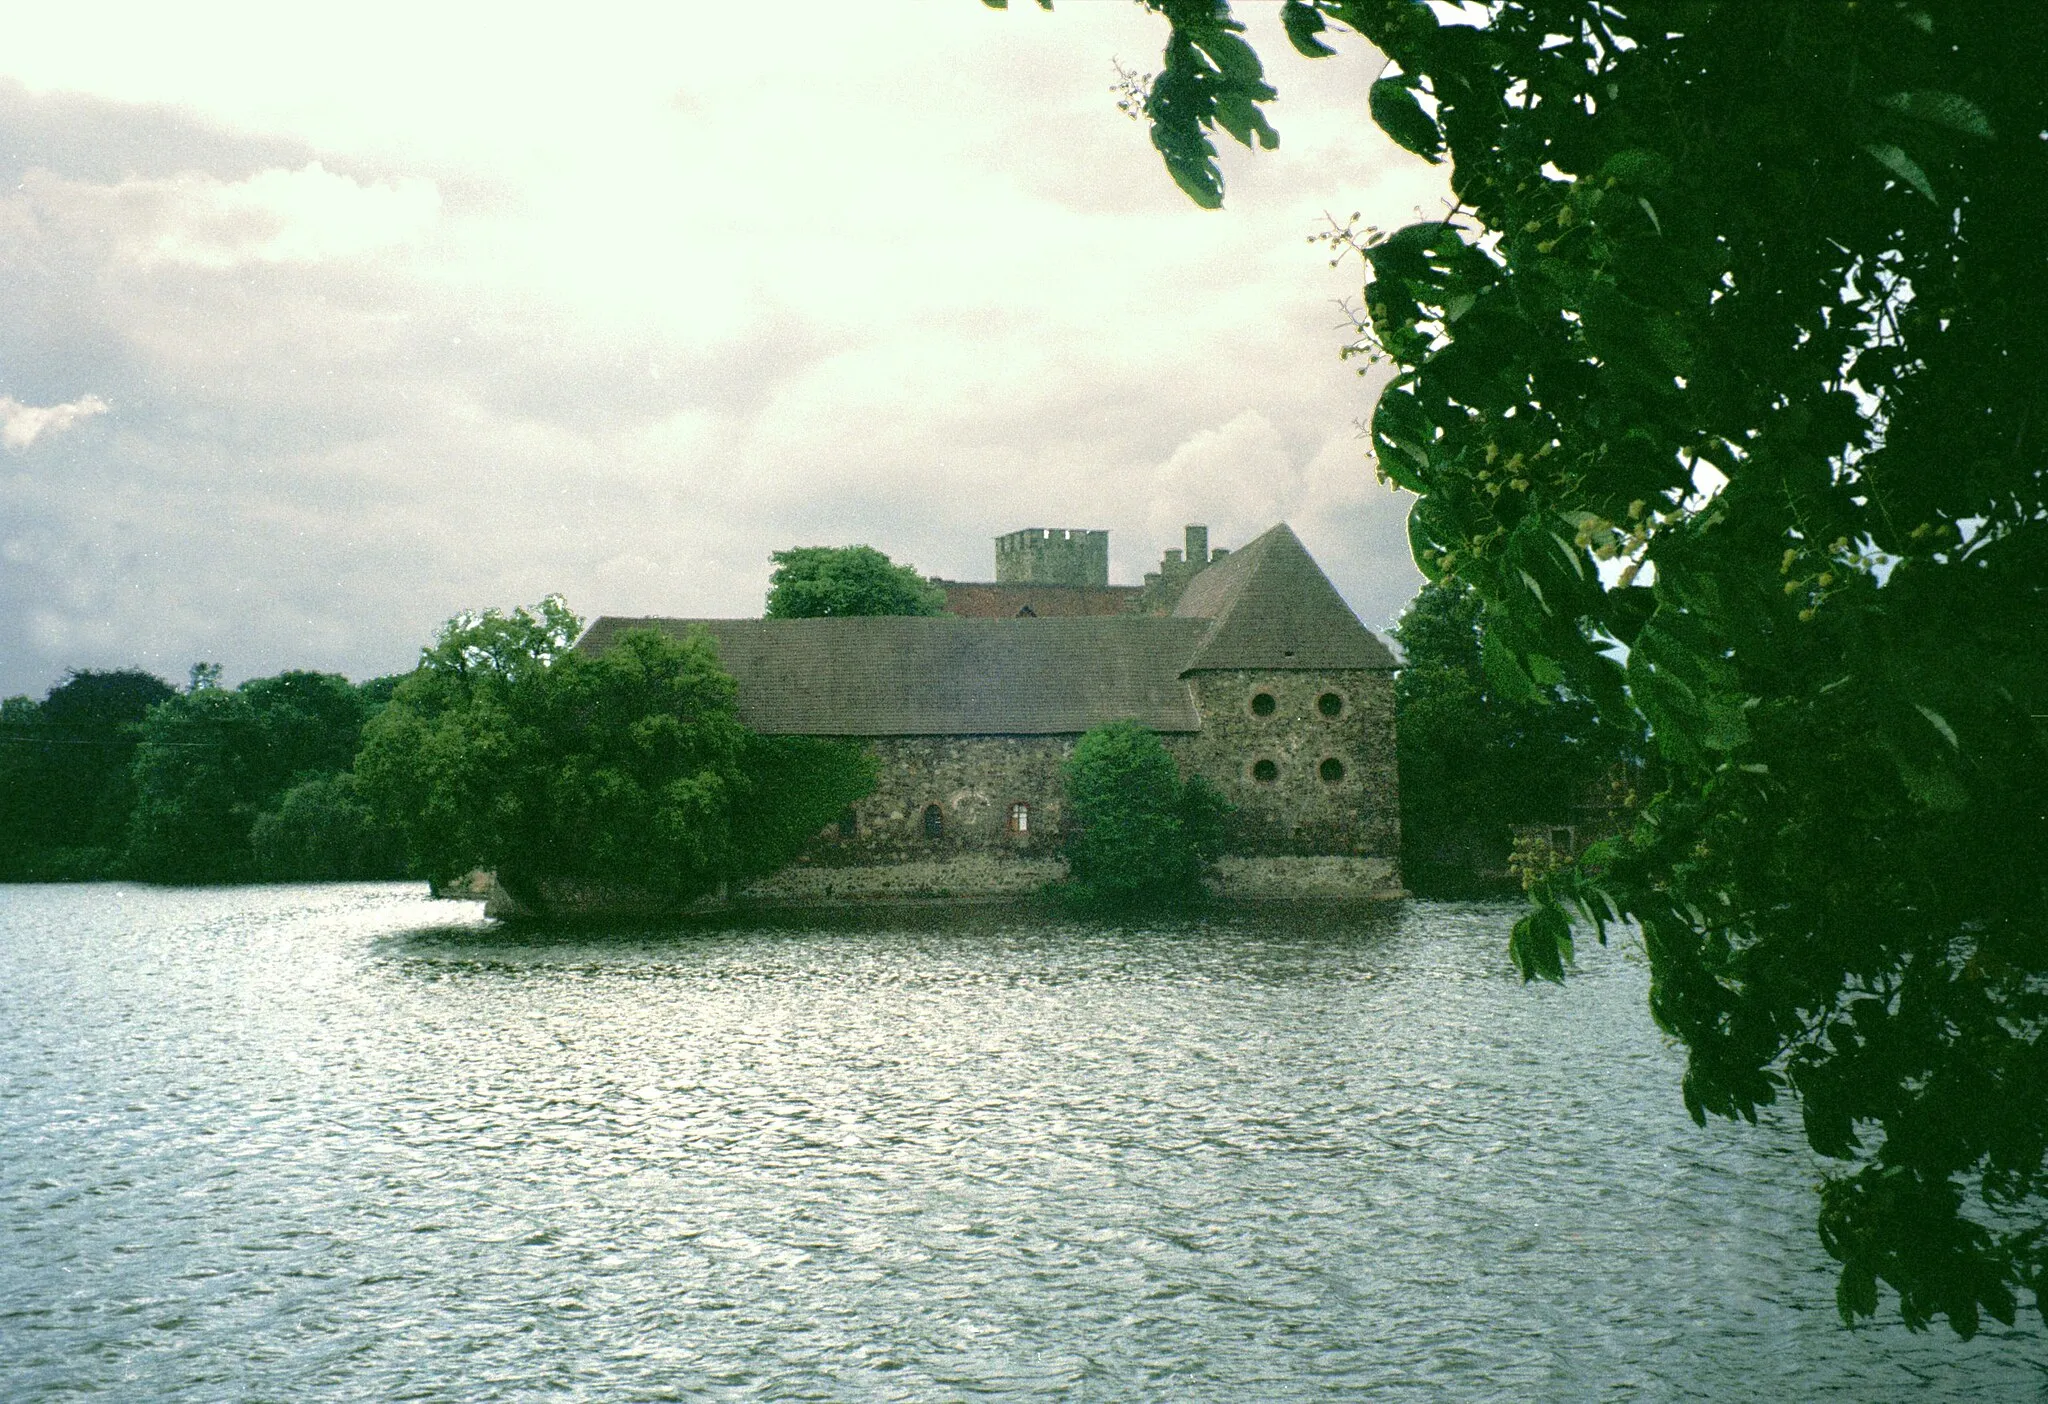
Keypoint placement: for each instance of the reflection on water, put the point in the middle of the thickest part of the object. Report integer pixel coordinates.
(299, 1141)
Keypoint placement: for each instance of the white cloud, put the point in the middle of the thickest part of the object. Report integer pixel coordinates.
(1238, 477)
(21, 425)
(311, 215)
(195, 220)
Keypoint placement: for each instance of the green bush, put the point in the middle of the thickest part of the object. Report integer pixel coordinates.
(1137, 835)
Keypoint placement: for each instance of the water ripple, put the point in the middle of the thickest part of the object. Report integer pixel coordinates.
(341, 1141)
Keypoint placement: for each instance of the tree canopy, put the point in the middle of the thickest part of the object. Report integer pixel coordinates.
(835, 582)
(509, 752)
(118, 774)
(65, 789)
(214, 762)
(1722, 385)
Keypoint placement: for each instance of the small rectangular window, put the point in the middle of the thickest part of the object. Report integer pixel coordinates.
(1020, 818)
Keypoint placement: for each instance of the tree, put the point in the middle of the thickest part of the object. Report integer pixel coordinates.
(213, 760)
(1137, 835)
(425, 767)
(1721, 385)
(835, 582)
(1474, 764)
(627, 770)
(65, 791)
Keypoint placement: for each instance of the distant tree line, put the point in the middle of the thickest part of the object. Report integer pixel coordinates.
(118, 774)
(502, 750)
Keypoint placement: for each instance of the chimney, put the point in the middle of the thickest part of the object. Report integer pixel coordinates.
(1198, 545)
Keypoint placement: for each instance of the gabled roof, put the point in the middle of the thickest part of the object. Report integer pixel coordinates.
(897, 676)
(1273, 608)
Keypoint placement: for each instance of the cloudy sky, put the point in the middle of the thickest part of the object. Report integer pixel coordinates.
(314, 331)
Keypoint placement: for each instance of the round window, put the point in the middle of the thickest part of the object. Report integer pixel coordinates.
(1332, 770)
(1265, 772)
(1263, 704)
(1330, 704)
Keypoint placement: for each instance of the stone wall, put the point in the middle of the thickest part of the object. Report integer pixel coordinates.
(991, 874)
(1304, 781)
(1318, 878)
(965, 877)
(1163, 587)
(972, 781)
(1332, 788)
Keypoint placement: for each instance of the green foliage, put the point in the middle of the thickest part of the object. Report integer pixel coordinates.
(1137, 836)
(551, 768)
(212, 760)
(64, 774)
(796, 785)
(1474, 762)
(836, 582)
(428, 764)
(1722, 387)
(320, 830)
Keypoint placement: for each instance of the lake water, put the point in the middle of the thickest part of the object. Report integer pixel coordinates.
(345, 1142)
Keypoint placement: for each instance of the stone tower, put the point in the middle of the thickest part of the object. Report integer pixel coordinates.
(1053, 556)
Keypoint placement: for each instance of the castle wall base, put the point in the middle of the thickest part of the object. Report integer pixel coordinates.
(968, 877)
(1320, 878)
(962, 878)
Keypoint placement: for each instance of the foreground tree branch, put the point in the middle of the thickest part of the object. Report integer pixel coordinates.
(1725, 389)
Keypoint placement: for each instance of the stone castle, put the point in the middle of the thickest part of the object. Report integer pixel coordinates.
(1248, 664)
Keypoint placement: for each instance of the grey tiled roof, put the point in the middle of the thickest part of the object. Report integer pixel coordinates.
(896, 676)
(1265, 607)
(1275, 609)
